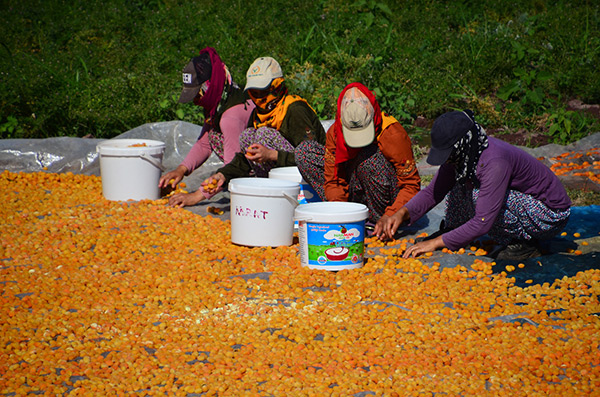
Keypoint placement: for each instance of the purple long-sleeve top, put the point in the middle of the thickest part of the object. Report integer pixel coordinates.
(501, 167)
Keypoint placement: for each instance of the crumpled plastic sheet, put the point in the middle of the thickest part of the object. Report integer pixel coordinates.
(80, 156)
(57, 155)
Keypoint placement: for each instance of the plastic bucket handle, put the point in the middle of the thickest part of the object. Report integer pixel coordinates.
(152, 161)
(291, 199)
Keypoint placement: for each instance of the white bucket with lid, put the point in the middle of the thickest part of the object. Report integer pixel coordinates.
(131, 168)
(307, 193)
(332, 234)
(262, 211)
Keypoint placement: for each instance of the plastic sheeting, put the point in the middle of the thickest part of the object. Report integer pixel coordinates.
(79, 155)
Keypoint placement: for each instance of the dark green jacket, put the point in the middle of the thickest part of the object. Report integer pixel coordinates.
(300, 123)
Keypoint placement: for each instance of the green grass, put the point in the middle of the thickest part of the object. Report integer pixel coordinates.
(101, 68)
(582, 198)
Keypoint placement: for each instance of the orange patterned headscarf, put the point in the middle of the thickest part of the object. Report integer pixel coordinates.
(272, 108)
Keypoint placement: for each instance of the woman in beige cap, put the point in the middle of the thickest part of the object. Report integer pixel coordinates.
(279, 123)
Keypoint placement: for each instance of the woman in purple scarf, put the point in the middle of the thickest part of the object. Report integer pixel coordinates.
(208, 83)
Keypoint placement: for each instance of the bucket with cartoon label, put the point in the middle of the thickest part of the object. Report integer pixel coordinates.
(331, 234)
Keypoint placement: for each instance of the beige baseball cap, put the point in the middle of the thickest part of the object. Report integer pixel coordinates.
(262, 72)
(357, 119)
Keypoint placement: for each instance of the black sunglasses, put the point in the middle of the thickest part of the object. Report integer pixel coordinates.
(258, 94)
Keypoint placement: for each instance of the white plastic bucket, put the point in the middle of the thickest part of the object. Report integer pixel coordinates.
(307, 193)
(332, 235)
(130, 168)
(262, 211)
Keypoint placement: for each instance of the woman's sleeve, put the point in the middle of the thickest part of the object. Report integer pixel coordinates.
(494, 180)
(199, 152)
(335, 186)
(432, 194)
(300, 123)
(233, 122)
(397, 148)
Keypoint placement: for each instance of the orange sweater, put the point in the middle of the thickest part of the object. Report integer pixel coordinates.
(395, 145)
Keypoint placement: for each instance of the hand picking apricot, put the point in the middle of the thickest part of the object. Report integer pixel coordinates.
(212, 185)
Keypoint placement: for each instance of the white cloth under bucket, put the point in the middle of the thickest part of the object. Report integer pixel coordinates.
(262, 211)
(130, 168)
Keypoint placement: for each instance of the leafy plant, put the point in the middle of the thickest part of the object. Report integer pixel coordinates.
(394, 100)
(566, 125)
(372, 8)
(527, 87)
(102, 68)
(11, 128)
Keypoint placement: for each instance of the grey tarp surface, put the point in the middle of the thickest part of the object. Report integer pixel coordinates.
(78, 155)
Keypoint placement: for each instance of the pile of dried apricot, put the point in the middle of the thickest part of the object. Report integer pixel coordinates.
(102, 297)
(578, 163)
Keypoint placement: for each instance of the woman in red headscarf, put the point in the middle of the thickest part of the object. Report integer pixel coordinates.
(208, 83)
(367, 157)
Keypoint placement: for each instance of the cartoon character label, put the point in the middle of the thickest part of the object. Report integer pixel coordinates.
(309, 195)
(333, 245)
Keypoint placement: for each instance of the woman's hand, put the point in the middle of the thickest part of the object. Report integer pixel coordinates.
(214, 184)
(386, 226)
(424, 247)
(185, 199)
(176, 176)
(260, 154)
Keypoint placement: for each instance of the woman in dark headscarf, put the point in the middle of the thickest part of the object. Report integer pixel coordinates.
(491, 187)
(367, 157)
(208, 83)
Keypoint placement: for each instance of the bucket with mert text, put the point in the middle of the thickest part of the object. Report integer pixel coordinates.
(332, 235)
(130, 168)
(262, 211)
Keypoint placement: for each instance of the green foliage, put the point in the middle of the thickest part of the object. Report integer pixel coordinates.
(528, 87)
(11, 128)
(566, 126)
(369, 9)
(77, 68)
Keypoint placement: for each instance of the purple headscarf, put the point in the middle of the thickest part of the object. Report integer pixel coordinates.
(211, 98)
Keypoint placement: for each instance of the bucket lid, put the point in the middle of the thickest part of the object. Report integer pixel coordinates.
(130, 147)
(288, 173)
(263, 187)
(332, 212)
